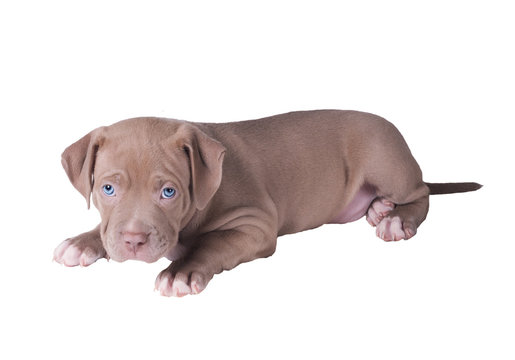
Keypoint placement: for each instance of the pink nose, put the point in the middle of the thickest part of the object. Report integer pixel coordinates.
(134, 241)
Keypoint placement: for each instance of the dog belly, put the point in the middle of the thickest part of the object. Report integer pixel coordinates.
(358, 206)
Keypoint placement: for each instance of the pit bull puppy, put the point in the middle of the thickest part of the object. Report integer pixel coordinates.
(211, 196)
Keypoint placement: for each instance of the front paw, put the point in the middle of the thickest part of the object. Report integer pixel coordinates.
(81, 250)
(171, 283)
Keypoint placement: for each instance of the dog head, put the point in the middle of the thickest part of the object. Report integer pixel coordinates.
(147, 177)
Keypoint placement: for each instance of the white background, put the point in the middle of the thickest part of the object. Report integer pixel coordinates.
(441, 71)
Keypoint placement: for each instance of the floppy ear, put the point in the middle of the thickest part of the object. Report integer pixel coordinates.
(206, 157)
(78, 161)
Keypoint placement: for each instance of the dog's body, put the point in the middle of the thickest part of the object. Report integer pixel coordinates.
(211, 196)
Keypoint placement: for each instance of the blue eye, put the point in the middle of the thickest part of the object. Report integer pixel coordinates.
(108, 190)
(168, 193)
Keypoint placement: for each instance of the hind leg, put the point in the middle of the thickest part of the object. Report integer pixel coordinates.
(403, 221)
(388, 166)
(397, 222)
(403, 197)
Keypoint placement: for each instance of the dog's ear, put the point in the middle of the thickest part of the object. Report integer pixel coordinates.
(78, 161)
(206, 157)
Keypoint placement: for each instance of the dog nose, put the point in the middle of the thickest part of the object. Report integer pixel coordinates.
(134, 241)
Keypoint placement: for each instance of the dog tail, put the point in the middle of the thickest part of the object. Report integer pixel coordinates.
(451, 188)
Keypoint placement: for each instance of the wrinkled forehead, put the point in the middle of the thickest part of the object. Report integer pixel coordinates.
(139, 152)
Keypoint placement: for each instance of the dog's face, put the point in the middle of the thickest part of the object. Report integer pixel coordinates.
(147, 177)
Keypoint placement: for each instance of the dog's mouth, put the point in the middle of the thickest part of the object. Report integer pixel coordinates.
(138, 257)
(147, 247)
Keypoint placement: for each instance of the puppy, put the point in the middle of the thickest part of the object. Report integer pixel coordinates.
(211, 196)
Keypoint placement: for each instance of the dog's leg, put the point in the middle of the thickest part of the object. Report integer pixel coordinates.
(216, 251)
(402, 204)
(400, 222)
(403, 221)
(402, 199)
(82, 250)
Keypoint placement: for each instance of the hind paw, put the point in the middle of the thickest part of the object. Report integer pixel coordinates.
(378, 210)
(394, 229)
